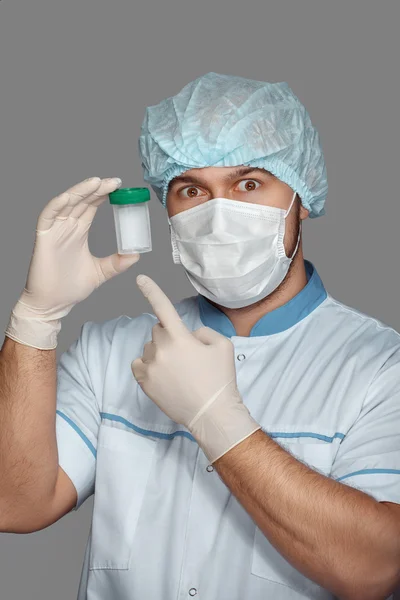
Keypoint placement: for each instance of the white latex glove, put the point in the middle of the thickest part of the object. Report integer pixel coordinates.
(62, 270)
(191, 377)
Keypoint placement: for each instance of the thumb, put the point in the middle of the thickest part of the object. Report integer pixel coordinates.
(116, 263)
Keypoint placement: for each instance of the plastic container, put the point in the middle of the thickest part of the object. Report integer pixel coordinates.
(132, 219)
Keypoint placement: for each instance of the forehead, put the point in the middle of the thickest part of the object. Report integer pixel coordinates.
(213, 171)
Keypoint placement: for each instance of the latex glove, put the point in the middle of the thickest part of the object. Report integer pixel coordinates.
(191, 377)
(62, 270)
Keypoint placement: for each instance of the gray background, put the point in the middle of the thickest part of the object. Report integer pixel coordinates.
(76, 77)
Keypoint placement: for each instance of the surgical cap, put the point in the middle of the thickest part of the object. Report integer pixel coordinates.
(224, 120)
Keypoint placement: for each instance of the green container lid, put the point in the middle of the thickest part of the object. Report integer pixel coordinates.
(130, 196)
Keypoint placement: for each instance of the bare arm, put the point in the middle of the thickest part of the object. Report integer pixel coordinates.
(31, 479)
(34, 490)
(334, 534)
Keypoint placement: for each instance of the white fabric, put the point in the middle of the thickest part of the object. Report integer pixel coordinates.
(232, 251)
(326, 389)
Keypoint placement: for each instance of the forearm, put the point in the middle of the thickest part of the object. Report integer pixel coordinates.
(28, 447)
(335, 535)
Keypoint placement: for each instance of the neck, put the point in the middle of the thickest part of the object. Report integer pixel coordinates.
(244, 319)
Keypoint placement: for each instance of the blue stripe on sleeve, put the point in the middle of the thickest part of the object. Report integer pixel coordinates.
(79, 432)
(369, 471)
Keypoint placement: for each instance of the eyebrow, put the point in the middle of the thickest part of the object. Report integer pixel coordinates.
(237, 173)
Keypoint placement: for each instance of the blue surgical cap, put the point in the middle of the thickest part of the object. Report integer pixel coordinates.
(224, 120)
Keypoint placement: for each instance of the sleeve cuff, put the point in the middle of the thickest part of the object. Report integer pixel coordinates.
(381, 484)
(76, 456)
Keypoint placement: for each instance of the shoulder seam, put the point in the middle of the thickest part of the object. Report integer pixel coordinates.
(363, 316)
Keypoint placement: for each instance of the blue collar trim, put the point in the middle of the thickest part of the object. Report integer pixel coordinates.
(280, 319)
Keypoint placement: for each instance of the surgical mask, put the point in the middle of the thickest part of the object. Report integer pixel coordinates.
(232, 251)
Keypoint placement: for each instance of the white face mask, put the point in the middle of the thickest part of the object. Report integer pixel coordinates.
(232, 251)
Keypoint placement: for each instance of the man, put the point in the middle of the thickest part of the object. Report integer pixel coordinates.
(244, 443)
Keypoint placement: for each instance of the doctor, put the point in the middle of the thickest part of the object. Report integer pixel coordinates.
(244, 443)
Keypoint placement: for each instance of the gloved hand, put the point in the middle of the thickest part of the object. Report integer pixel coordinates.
(191, 377)
(62, 271)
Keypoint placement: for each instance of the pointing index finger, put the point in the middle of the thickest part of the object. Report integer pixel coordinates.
(162, 305)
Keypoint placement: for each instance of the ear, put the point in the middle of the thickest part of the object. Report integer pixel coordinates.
(303, 212)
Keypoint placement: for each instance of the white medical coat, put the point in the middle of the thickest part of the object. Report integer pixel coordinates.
(322, 379)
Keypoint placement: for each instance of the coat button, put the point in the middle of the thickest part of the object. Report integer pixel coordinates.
(192, 592)
(210, 468)
(241, 357)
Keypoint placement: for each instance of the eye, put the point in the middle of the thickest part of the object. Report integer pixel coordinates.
(192, 192)
(250, 185)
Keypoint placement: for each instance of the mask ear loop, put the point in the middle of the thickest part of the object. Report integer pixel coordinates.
(300, 228)
(291, 204)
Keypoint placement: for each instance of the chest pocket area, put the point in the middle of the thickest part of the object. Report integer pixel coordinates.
(124, 461)
(267, 562)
